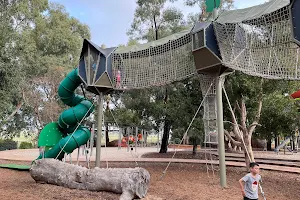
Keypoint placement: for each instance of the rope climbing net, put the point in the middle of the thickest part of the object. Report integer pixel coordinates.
(208, 86)
(154, 64)
(260, 47)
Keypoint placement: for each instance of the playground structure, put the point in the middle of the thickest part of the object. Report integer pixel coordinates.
(51, 137)
(260, 41)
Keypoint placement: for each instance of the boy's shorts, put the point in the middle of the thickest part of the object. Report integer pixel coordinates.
(246, 198)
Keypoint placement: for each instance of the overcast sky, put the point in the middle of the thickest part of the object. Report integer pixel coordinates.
(109, 20)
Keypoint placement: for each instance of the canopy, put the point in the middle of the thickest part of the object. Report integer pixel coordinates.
(162, 41)
(240, 15)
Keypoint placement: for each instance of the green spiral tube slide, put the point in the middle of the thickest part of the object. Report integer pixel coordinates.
(59, 137)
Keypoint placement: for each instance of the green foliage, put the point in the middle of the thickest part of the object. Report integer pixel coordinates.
(279, 113)
(40, 38)
(7, 145)
(26, 145)
(152, 20)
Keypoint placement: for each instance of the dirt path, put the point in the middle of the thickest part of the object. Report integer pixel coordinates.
(182, 181)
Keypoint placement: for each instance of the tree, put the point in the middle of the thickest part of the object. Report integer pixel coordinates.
(15, 17)
(246, 94)
(43, 45)
(183, 105)
(153, 21)
(279, 114)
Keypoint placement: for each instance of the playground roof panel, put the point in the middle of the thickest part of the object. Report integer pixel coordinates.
(105, 52)
(200, 26)
(240, 15)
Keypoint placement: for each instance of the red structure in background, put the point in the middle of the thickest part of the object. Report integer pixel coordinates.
(296, 95)
(131, 140)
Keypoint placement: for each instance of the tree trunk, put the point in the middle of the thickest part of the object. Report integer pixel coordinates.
(145, 139)
(249, 157)
(165, 139)
(194, 146)
(129, 182)
(276, 141)
(155, 27)
(106, 135)
(269, 145)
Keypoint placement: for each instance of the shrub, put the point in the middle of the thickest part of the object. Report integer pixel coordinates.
(177, 140)
(26, 145)
(7, 145)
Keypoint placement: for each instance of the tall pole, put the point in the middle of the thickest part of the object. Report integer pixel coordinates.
(136, 137)
(120, 138)
(99, 129)
(92, 138)
(220, 126)
(158, 141)
(128, 129)
(220, 123)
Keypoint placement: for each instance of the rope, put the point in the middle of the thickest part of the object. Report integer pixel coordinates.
(83, 91)
(165, 171)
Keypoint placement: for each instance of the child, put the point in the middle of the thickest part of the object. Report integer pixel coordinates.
(251, 180)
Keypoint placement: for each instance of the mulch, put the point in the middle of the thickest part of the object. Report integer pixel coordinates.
(182, 181)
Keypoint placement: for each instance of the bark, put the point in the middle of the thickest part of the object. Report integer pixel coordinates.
(129, 182)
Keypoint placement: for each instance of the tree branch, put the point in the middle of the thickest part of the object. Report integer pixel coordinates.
(14, 112)
(237, 105)
(19, 106)
(252, 127)
(240, 126)
(253, 124)
(243, 113)
(234, 142)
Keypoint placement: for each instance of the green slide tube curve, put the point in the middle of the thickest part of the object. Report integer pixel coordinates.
(70, 119)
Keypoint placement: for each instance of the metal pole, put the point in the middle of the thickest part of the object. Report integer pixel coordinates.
(220, 126)
(158, 141)
(120, 138)
(92, 138)
(136, 138)
(127, 139)
(143, 138)
(99, 129)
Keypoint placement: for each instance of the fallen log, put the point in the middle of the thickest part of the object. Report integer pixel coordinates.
(129, 182)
